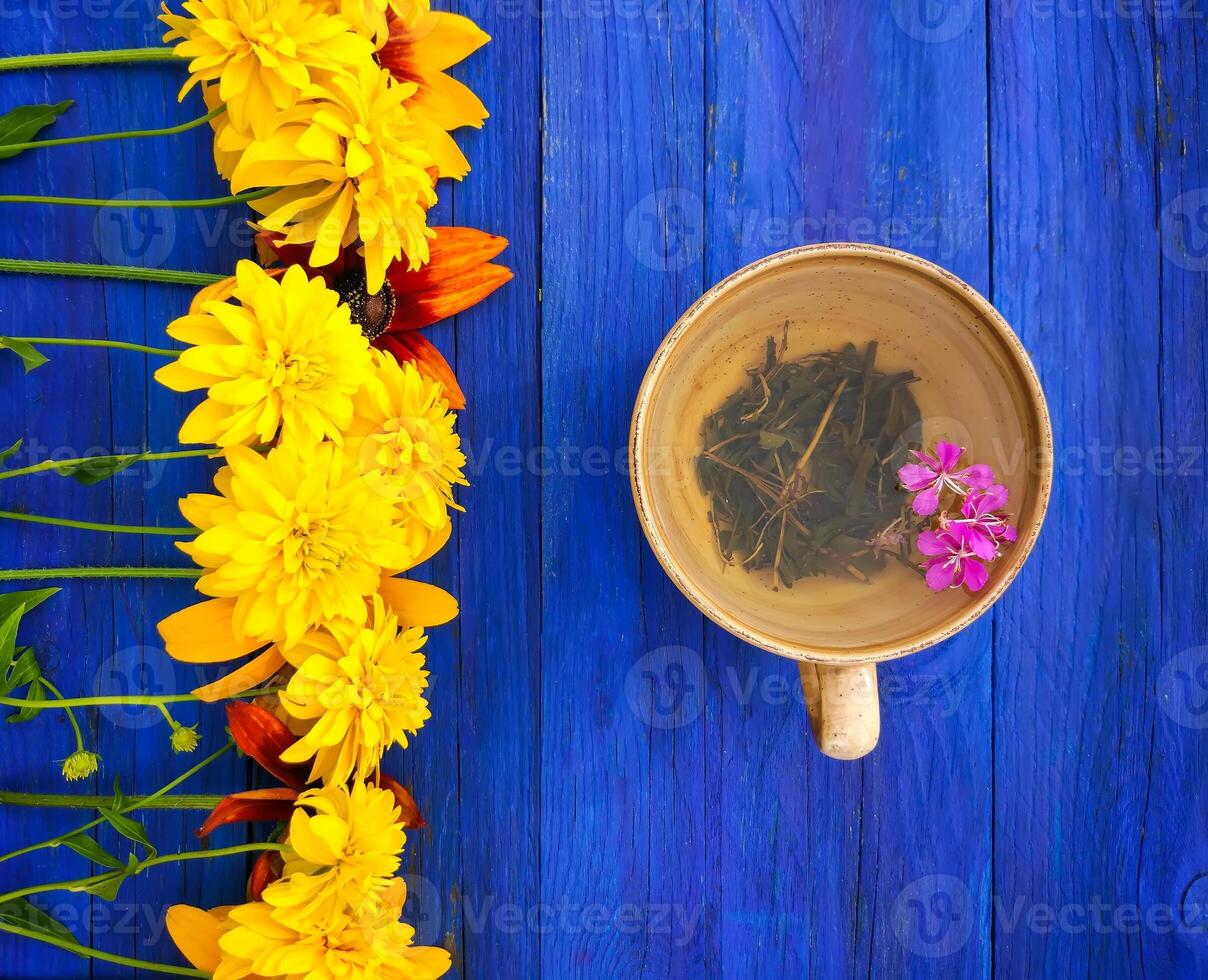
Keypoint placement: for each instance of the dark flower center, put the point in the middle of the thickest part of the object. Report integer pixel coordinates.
(372, 311)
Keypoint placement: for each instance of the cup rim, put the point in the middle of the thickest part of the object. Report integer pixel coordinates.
(655, 374)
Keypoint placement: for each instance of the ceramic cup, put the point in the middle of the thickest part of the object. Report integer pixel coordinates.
(977, 388)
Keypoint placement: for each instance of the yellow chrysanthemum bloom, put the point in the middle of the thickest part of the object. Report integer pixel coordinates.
(250, 941)
(286, 361)
(368, 17)
(351, 165)
(361, 689)
(262, 55)
(295, 537)
(342, 852)
(402, 438)
(422, 45)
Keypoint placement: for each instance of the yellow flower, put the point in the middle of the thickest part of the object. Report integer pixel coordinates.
(361, 690)
(402, 437)
(286, 361)
(262, 54)
(422, 44)
(342, 852)
(368, 17)
(295, 538)
(350, 165)
(249, 941)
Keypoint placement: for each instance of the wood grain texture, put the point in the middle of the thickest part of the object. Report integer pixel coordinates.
(614, 788)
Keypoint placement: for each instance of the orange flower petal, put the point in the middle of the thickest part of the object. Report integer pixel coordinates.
(262, 736)
(204, 634)
(452, 252)
(447, 298)
(418, 603)
(246, 677)
(255, 804)
(196, 933)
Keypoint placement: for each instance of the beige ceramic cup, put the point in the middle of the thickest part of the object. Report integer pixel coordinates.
(977, 388)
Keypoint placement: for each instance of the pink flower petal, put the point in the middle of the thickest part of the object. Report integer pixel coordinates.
(926, 502)
(948, 454)
(996, 497)
(930, 543)
(980, 542)
(974, 574)
(978, 476)
(1008, 533)
(915, 478)
(926, 459)
(939, 574)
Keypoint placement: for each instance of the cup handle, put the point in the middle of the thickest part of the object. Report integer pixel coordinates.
(844, 710)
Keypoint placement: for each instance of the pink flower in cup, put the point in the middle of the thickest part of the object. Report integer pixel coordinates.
(932, 474)
(955, 557)
(982, 515)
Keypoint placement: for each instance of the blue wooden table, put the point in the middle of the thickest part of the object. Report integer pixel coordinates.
(614, 787)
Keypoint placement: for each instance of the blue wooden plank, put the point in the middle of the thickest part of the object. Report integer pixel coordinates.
(623, 848)
(497, 688)
(1173, 864)
(1079, 641)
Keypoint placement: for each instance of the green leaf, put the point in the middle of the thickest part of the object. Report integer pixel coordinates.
(11, 451)
(26, 670)
(29, 354)
(22, 124)
(24, 914)
(119, 798)
(98, 468)
(128, 828)
(8, 639)
(84, 845)
(105, 887)
(36, 691)
(26, 600)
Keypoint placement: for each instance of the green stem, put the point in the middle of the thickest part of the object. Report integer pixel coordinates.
(70, 58)
(36, 267)
(36, 574)
(148, 700)
(54, 464)
(96, 954)
(174, 532)
(115, 344)
(130, 806)
(97, 202)
(72, 801)
(79, 735)
(79, 884)
(11, 148)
